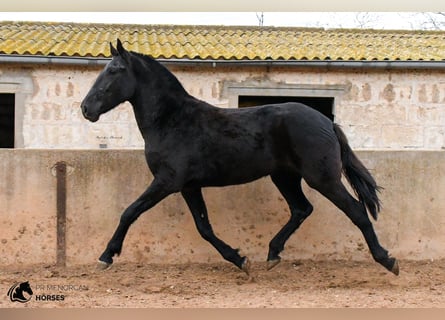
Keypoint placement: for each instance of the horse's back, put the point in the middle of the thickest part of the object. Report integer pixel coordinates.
(289, 129)
(297, 112)
(303, 125)
(302, 138)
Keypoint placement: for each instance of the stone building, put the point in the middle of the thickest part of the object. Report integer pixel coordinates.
(386, 88)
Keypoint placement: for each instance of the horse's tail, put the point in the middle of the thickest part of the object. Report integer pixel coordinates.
(358, 176)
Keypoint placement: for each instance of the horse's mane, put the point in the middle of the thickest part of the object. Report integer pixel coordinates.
(161, 70)
(144, 57)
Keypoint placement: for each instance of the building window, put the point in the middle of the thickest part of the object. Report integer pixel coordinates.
(323, 98)
(325, 105)
(7, 120)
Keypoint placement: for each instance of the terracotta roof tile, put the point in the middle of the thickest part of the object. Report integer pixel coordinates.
(221, 42)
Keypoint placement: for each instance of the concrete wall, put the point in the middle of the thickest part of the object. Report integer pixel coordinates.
(102, 183)
(378, 109)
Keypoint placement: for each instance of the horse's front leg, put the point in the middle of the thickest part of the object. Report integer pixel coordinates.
(197, 206)
(154, 193)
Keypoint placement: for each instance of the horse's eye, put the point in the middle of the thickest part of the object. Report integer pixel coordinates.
(116, 69)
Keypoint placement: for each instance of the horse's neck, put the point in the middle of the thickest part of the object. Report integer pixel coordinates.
(151, 110)
(159, 97)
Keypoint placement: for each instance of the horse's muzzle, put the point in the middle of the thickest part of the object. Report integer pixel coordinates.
(88, 115)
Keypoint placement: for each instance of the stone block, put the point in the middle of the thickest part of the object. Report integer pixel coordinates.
(400, 136)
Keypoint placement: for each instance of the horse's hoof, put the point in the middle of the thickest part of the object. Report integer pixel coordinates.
(245, 266)
(272, 263)
(395, 267)
(102, 265)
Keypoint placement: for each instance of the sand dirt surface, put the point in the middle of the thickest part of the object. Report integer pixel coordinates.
(305, 283)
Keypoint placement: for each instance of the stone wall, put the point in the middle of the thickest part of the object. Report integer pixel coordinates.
(378, 109)
(100, 184)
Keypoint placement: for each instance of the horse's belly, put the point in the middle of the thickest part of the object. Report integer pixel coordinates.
(238, 170)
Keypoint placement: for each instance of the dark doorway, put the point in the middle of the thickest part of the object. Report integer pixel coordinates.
(7, 116)
(322, 104)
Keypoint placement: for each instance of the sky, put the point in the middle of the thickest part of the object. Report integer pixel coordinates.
(375, 20)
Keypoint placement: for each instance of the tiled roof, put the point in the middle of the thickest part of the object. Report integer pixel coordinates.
(220, 42)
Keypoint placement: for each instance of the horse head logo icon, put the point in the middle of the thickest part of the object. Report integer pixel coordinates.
(17, 292)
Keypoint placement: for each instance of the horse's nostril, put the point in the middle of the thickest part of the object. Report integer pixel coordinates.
(88, 115)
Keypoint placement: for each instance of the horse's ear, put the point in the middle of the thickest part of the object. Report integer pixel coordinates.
(113, 50)
(120, 49)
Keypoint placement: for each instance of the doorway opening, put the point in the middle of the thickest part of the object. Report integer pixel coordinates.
(7, 120)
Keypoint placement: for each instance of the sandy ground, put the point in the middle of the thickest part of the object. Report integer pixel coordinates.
(304, 283)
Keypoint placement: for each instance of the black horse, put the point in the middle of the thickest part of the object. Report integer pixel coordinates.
(190, 144)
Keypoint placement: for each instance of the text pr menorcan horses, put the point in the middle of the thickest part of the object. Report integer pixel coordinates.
(190, 144)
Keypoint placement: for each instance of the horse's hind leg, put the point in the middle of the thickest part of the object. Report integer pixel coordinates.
(337, 193)
(197, 206)
(300, 208)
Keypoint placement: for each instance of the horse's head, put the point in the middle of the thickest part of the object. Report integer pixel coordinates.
(114, 85)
